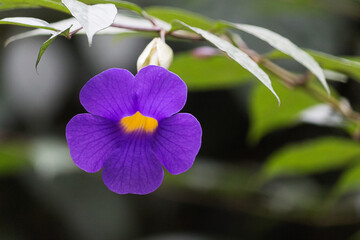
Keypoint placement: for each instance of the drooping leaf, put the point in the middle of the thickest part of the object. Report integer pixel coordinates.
(349, 181)
(64, 24)
(313, 156)
(27, 22)
(92, 18)
(286, 46)
(266, 116)
(169, 14)
(217, 72)
(48, 42)
(236, 54)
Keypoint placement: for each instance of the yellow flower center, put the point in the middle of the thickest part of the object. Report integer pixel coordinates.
(138, 122)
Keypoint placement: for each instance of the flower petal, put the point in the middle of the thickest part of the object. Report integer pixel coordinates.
(133, 168)
(110, 94)
(177, 141)
(91, 139)
(160, 93)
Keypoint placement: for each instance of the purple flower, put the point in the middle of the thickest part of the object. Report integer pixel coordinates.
(133, 129)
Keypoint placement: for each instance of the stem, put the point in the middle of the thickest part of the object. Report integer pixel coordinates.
(152, 29)
(346, 111)
(74, 32)
(162, 35)
(286, 76)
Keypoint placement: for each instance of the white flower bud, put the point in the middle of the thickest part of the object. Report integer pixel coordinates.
(158, 53)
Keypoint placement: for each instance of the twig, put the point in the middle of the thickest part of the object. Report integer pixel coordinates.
(74, 32)
(142, 29)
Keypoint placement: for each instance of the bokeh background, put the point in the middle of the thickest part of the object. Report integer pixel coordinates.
(44, 196)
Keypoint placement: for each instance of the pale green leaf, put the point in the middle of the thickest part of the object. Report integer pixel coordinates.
(27, 22)
(66, 23)
(236, 54)
(63, 24)
(310, 157)
(217, 72)
(286, 46)
(266, 116)
(92, 18)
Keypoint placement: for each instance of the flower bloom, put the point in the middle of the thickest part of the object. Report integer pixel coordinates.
(133, 128)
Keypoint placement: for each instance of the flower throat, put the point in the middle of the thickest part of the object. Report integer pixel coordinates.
(138, 122)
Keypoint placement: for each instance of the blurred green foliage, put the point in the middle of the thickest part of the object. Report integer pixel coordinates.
(14, 156)
(266, 116)
(313, 156)
(210, 73)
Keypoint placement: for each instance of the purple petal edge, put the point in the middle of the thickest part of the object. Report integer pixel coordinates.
(177, 141)
(133, 168)
(91, 140)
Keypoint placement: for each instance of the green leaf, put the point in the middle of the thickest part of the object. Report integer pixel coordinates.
(345, 65)
(15, 4)
(119, 4)
(266, 116)
(217, 72)
(169, 14)
(48, 42)
(236, 54)
(92, 18)
(314, 156)
(13, 157)
(349, 181)
(57, 5)
(286, 46)
(27, 22)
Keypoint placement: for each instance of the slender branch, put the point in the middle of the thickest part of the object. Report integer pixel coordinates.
(142, 29)
(149, 18)
(285, 75)
(74, 32)
(163, 35)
